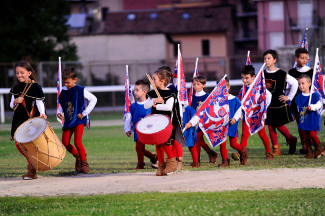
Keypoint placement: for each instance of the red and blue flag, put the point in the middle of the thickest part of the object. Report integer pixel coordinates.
(59, 89)
(128, 96)
(192, 91)
(254, 103)
(303, 44)
(318, 79)
(242, 91)
(214, 115)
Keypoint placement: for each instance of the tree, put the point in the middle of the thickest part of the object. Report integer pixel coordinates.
(35, 31)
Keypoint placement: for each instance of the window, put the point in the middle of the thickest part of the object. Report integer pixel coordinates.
(276, 11)
(276, 40)
(153, 16)
(131, 16)
(305, 13)
(205, 47)
(186, 16)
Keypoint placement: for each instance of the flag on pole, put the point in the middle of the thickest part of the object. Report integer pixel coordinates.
(317, 79)
(59, 89)
(179, 82)
(128, 96)
(248, 60)
(254, 103)
(214, 115)
(242, 91)
(303, 44)
(192, 91)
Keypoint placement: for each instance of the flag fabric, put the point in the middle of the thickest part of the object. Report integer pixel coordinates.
(248, 60)
(59, 89)
(128, 96)
(214, 115)
(303, 44)
(179, 82)
(254, 103)
(192, 91)
(318, 79)
(242, 91)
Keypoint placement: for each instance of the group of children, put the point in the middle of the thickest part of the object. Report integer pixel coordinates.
(72, 110)
(283, 100)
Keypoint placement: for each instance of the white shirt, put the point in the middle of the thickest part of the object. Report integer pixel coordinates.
(200, 93)
(292, 84)
(303, 69)
(168, 106)
(87, 95)
(128, 119)
(314, 107)
(39, 104)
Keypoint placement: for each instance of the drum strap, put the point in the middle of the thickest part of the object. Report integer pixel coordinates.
(33, 110)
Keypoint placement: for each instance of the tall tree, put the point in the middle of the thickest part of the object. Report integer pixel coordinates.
(35, 30)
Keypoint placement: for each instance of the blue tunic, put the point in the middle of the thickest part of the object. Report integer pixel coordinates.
(309, 120)
(137, 113)
(72, 102)
(197, 101)
(234, 105)
(189, 134)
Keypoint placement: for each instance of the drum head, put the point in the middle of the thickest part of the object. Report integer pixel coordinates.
(30, 130)
(153, 123)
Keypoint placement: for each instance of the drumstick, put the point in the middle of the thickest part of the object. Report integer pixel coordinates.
(25, 91)
(153, 85)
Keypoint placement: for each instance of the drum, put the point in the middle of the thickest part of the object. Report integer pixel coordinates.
(40, 144)
(154, 129)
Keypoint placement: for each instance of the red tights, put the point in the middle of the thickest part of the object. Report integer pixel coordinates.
(233, 144)
(195, 156)
(21, 151)
(273, 135)
(200, 143)
(160, 149)
(311, 136)
(177, 149)
(66, 137)
(141, 152)
(301, 132)
(262, 134)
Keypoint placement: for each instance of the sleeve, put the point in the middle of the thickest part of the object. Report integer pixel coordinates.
(168, 106)
(268, 97)
(127, 123)
(318, 106)
(92, 102)
(194, 120)
(149, 103)
(40, 106)
(12, 103)
(238, 114)
(293, 85)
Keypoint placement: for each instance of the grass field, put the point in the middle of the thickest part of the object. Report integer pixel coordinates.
(110, 151)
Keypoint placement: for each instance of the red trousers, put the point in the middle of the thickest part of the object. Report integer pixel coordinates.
(301, 132)
(201, 143)
(21, 151)
(161, 149)
(195, 156)
(273, 135)
(311, 136)
(177, 149)
(233, 144)
(262, 134)
(66, 137)
(141, 152)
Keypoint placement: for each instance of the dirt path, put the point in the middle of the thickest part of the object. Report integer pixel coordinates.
(218, 180)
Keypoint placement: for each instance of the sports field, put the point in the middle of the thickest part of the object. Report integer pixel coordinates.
(110, 151)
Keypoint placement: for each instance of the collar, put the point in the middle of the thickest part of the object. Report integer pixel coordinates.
(141, 103)
(272, 71)
(230, 97)
(305, 94)
(303, 69)
(200, 93)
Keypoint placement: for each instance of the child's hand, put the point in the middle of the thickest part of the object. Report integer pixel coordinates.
(188, 125)
(60, 116)
(128, 133)
(18, 100)
(309, 108)
(44, 116)
(159, 100)
(80, 116)
(283, 98)
(232, 121)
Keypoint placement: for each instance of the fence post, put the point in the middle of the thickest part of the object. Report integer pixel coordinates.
(2, 109)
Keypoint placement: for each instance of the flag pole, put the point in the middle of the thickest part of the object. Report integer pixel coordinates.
(314, 72)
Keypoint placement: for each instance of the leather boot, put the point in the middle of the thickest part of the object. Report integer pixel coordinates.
(139, 166)
(171, 166)
(213, 156)
(243, 156)
(84, 167)
(269, 156)
(195, 165)
(224, 163)
(277, 150)
(180, 163)
(31, 173)
(309, 154)
(78, 163)
(161, 167)
(318, 151)
(292, 141)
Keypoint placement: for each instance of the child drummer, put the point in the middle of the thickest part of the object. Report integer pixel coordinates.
(74, 112)
(26, 95)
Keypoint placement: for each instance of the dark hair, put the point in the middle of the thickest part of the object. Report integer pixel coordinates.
(227, 81)
(144, 85)
(300, 51)
(164, 75)
(302, 76)
(167, 68)
(69, 72)
(201, 79)
(248, 69)
(27, 66)
(272, 52)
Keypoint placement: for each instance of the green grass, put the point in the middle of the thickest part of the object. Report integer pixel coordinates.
(110, 151)
(278, 202)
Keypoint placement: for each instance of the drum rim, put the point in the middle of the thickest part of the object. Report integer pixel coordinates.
(136, 126)
(24, 123)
